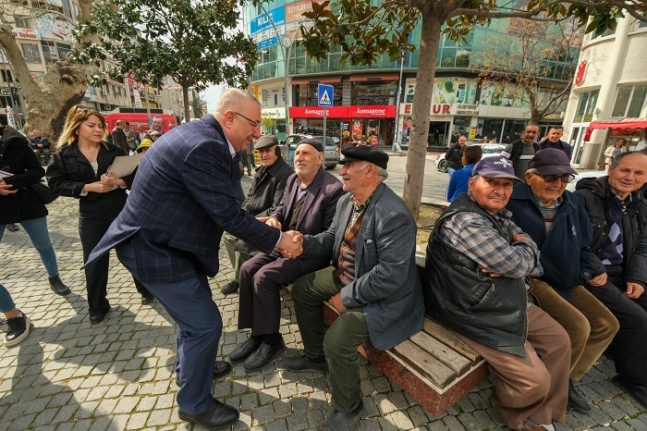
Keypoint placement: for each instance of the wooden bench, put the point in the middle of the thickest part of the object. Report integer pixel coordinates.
(434, 366)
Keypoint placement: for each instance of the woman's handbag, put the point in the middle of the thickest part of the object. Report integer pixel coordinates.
(44, 192)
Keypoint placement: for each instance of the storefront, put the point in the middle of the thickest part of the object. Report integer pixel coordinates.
(372, 124)
(632, 130)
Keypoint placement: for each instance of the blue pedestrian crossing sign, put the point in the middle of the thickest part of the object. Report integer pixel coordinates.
(325, 95)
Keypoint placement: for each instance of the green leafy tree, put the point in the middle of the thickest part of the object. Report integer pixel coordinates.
(64, 83)
(193, 41)
(365, 29)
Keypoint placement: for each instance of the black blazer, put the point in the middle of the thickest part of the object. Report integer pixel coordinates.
(17, 158)
(70, 170)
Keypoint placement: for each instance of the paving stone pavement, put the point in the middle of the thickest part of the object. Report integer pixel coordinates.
(118, 375)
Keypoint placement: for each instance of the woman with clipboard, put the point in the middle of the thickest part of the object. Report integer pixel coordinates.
(81, 169)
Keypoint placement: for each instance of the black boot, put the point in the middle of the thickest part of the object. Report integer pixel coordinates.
(58, 287)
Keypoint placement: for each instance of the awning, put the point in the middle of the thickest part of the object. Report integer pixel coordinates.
(372, 77)
(625, 123)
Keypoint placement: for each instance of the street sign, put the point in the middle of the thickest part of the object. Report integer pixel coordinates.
(325, 95)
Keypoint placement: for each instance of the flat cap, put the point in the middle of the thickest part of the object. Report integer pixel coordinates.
(366, 154)
(265, 141)
(312, 142)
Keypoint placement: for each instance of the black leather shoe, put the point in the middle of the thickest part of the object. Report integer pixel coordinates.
(219, 415)
(638, 392)
(242, 351)
(343, 421)
(301, 364)
(230, 287)
(58, 287)
(576, 401)
(220, 369)
(98, 318)
(262, 356)
(146, 300)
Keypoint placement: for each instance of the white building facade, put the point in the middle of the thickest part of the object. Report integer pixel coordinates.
(609, 96)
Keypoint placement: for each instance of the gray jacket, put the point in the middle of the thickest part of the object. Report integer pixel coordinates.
(387, 287)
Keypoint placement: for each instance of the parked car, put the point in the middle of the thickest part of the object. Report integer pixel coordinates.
(489, 150)
(331, 149)
(584, 174)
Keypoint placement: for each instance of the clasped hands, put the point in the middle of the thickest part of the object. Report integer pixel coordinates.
(291, 244)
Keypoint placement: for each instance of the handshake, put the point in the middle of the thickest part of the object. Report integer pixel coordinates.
(291, 244)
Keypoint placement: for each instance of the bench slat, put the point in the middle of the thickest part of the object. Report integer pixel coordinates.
(441, 352)
(428, 366)
(447, 337)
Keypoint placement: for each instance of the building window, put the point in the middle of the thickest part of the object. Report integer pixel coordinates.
(49, 51)
(586, 106)
(63, 49)
(630, 101)
(22, 21)
(30, 52)
(6, 76)
(643, 24)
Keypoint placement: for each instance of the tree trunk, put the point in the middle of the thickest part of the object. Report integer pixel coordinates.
(417, 153)
(187, 107)
(62, 86)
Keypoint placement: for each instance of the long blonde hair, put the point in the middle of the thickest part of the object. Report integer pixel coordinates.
(76, 115)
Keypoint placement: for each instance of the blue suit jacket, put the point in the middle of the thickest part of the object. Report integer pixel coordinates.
(181, 201)
(387, 286)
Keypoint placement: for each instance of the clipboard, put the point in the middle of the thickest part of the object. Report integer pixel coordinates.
(125, 165)
(5, 174)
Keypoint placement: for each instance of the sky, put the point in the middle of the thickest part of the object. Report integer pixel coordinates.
(211, 95)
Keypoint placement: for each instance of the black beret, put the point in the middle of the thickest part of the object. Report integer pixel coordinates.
(316, 144)
(365, 153)
(265, 141)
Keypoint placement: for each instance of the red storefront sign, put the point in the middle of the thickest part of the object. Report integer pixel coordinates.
(363, 111)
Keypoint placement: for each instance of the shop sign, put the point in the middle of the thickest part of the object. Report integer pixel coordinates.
(580, 75)
(364, 111)
(463, 109)
(275, 113)
(24, 33)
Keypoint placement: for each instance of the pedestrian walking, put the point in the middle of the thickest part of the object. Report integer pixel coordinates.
(20, 205)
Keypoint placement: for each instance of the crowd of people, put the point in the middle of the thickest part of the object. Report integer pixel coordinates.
(536, 279)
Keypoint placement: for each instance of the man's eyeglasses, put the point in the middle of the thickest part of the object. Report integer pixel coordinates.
(565, 178)
(256, 124)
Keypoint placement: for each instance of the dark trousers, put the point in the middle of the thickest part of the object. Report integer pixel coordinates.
(261, 279)
(190, 305)
(338, 344)
(94, 219)
(629, 346)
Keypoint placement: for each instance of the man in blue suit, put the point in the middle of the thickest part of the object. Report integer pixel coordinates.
(181, 201)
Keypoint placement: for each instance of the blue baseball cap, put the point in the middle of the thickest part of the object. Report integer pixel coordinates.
(495, 167)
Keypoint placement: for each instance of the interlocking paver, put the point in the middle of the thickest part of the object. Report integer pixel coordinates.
(69, 375)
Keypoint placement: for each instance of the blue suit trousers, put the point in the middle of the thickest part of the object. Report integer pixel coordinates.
(191, 306)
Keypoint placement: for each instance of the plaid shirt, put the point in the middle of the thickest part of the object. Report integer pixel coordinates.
(474, 236)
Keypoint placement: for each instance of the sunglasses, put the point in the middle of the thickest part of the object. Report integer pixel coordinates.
(82, 108)
(565, 178)
(256, 124)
